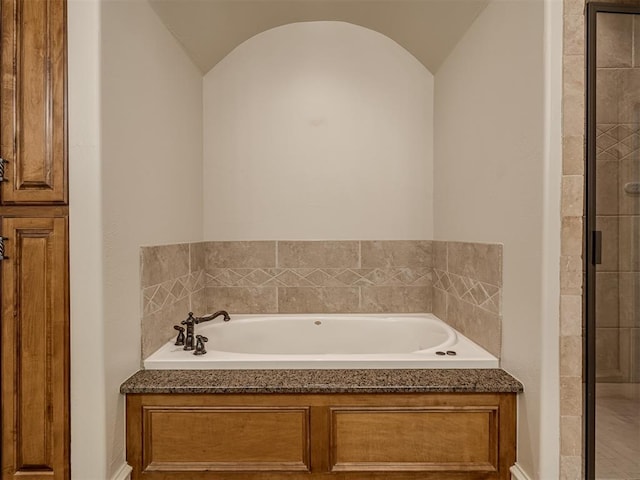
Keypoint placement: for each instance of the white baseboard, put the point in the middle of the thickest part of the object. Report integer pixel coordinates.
(124, 473)
(518, 474)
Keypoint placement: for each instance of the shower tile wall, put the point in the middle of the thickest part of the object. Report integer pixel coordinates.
(617, 164)
(323, 277)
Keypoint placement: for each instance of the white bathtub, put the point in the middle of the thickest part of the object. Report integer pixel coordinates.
(319, 341)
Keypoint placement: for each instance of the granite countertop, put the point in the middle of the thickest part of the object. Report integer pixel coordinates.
(322, 381)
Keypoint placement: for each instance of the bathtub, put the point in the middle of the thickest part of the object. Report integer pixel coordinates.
(319, 341)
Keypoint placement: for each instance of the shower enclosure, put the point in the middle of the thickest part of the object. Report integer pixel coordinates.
(612, 360)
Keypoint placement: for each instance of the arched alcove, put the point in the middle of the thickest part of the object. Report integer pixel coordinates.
(318, 130)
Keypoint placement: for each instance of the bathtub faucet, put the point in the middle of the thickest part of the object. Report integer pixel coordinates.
(190, 322)
(206, 318)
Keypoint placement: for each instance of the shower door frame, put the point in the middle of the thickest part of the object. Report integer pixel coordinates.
(592, 243)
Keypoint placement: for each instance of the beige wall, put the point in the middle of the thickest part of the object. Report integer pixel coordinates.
(88, 399)
(319, 130)
(151, 191)
(137, 182)
(491, 186)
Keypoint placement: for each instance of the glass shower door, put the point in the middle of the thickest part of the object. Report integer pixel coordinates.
(613, 223)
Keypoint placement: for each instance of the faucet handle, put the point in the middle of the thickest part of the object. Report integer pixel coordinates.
(200, 341)
(180, 337)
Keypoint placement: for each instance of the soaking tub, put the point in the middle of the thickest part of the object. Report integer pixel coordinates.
(319, 341)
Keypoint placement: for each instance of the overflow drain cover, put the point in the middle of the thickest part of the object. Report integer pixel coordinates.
(318, 322)
(632, 188)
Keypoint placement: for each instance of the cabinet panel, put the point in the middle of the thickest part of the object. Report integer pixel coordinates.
(410, 439)
(226, 439)
(35, 384)
(33, 110)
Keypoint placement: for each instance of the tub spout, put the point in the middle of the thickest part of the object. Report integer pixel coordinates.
(225, 316)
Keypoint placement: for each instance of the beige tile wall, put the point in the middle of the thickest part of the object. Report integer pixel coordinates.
(467, 290)
(172, 284)
(320, 276)
(323, 277)
(571, 265)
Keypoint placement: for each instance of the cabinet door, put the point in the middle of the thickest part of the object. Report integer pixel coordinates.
(35, 349)
(33, 110)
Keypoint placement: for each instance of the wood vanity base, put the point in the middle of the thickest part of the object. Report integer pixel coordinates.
(333, 436)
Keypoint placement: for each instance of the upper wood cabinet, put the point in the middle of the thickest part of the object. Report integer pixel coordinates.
(33, 108)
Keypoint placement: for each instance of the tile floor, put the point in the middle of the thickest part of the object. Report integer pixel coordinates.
(618, 431)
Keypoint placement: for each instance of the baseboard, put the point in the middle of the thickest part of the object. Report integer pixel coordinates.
(518, 474)
(124, 473)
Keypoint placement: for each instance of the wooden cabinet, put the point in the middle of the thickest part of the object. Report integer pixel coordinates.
(307, 436)
(33, 130)
(34, 221)
(35, 401)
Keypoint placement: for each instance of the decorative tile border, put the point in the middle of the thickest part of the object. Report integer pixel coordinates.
(484, 295)
(318, 277)
(617, 141)
(157, 297)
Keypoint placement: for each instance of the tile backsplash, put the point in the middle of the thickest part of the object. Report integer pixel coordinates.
(467, 290)
(172, 283)
(409, 276)
(320, 277)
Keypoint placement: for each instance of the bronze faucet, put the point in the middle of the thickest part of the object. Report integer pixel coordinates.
(190, 322)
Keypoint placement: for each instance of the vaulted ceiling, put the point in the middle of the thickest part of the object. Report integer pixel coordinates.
(210, 29)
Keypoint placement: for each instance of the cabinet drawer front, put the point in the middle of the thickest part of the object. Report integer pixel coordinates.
(226, 439)
(414, 439)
